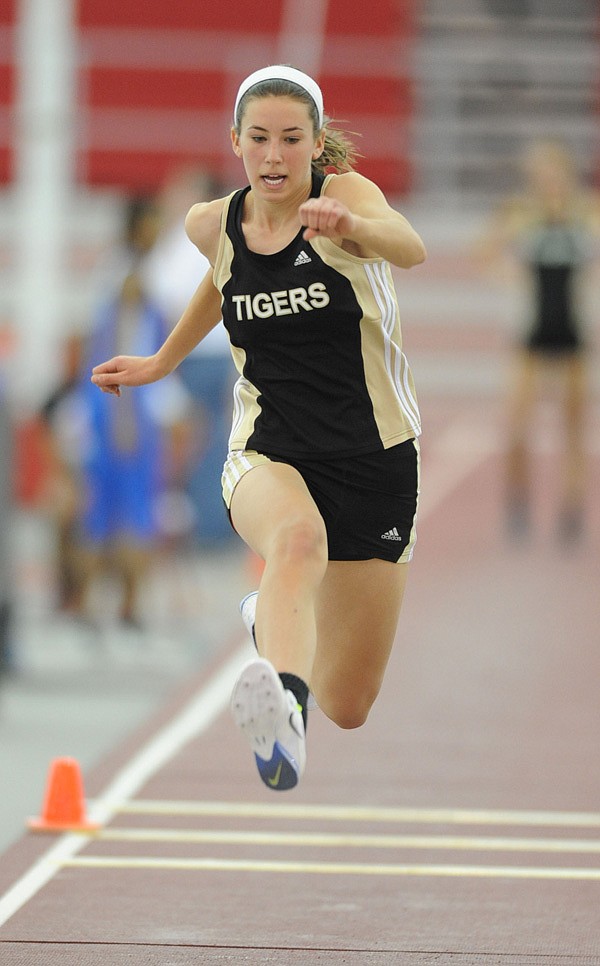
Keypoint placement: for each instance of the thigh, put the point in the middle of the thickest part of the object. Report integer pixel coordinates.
(357, 612)
(270, 496)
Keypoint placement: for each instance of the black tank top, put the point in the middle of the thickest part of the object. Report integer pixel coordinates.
(555, 252)
(320, 363)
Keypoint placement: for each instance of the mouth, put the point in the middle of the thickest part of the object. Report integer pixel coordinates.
(273, 180)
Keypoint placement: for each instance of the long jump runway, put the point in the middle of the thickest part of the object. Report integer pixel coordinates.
(460, 825)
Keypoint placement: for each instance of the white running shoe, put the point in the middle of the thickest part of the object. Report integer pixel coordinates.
(248, 612)
(271, 720)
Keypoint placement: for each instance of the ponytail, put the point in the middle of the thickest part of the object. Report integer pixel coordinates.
(339, 153)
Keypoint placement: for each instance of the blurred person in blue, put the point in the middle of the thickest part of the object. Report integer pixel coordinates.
(550, 232)
(171, 272)
(131, 453)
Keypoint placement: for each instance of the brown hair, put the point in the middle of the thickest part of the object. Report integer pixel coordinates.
(339, 153)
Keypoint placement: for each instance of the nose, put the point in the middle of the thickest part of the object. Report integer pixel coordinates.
(273, 151)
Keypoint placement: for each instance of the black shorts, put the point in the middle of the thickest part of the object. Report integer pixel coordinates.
(368, 503)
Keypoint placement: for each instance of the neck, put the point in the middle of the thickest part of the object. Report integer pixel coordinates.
(271, 214)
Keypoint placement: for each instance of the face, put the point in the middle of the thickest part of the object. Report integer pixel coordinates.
(277, 145)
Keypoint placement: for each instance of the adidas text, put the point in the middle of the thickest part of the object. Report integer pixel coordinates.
(391, 535)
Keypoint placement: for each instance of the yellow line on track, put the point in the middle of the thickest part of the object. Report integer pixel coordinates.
(331, 868)
(331, 840)
(365, 813)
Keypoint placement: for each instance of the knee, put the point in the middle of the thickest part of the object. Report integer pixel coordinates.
(350, 718)
(349, 711)
(301, 540)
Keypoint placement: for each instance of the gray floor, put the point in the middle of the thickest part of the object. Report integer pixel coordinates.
(76, 691)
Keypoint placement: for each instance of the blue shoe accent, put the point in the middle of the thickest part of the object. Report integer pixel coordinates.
(281, 772)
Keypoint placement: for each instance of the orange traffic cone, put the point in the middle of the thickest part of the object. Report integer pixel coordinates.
(64, 806)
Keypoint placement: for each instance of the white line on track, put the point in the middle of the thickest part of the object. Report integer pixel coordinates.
(334, 868)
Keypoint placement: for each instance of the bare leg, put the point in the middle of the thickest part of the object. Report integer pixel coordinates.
(575, 389)
(275, 515)
(521, 402)
(358, 608)
(332, 624)
(133, 563)
(575, 403)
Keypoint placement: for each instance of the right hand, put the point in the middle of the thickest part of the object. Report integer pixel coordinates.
(125, 371)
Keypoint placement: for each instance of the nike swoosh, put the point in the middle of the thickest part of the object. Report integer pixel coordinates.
(274, 782)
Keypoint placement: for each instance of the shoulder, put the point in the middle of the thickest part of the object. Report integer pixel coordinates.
(352, 188)
(203, 225)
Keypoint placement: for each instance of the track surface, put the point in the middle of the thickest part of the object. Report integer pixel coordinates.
(461, 825)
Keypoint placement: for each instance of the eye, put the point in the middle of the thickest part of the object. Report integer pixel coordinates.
(292, 140)
(258, 138)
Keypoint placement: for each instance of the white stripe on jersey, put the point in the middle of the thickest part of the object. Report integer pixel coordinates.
(395, 360)
(238, 407)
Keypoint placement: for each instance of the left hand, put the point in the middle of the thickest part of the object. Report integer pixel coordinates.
(326, 217)
(126, 371)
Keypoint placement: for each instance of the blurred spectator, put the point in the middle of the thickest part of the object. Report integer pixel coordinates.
(131, 451)
(550, 231)
(61, 418)
(172, 272)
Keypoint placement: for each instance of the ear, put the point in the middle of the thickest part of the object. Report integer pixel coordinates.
(235, 143)
(319, 146)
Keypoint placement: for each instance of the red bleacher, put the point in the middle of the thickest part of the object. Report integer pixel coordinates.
(235, 15)
(156, 81)
(151, 102)
(7, 87)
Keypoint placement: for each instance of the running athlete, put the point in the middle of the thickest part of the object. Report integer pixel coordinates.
(321, 480)
(551, 230)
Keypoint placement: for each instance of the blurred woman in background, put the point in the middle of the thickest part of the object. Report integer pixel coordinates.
(551, 230)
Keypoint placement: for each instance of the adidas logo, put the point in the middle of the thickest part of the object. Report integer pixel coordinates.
(391, 535)
(303, 259)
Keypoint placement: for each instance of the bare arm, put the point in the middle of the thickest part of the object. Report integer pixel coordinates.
(354, 213)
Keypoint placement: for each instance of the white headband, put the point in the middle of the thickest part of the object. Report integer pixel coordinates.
(281, 72)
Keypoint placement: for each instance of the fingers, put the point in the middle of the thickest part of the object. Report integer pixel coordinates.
(109, 366)
(107, 383)
(322, 216)
(106, 377)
